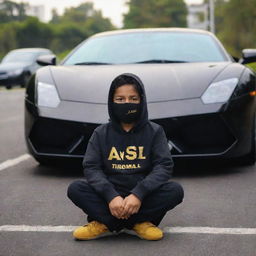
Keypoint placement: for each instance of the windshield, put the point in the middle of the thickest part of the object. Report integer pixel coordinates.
(147, 47)
(19, 57)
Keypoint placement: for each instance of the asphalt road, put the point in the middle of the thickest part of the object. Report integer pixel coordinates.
(217, 217)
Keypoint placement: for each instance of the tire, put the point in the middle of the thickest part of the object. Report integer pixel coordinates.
(250, 158)
(25, 79)
(8, 87)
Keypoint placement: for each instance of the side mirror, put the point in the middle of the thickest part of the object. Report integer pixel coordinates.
(45, 60)
(248, 56)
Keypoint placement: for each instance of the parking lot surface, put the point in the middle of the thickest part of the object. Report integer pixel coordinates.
(217, 217)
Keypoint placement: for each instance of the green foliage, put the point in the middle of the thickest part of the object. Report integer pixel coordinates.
(236, 24)
(75, 25)
(33, 33)
(62, 55)
(66, 36)
(155, 13)
(60, 35)
(55, 17)
(7, 37)
(78, 14)
(252, 66)
(12, 11)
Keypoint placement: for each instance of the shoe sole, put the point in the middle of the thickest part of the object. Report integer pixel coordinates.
(99, 236)
(133, 233)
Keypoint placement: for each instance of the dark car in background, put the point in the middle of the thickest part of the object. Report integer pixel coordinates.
(202, 97)
(18, 65)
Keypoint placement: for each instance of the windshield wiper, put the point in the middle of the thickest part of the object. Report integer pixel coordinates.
(92, 63)
(161, 61)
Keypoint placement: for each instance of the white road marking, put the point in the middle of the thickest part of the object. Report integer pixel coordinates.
(26, 228)
(210, 230)
(11, 162)
(170, 230)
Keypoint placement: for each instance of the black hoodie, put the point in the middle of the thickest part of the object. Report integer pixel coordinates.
(117, 162)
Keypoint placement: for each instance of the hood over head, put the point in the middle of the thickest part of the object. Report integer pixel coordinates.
(123, 79)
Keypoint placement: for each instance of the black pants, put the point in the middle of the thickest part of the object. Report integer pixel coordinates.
(153, 208)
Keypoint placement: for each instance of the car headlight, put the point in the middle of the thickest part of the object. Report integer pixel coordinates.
(15, 72)
(47, 95)
(219, 91)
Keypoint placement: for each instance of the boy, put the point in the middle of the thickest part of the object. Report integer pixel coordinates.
(127, 167)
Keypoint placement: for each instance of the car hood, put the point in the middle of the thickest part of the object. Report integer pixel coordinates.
(12, 66)
(163, 82)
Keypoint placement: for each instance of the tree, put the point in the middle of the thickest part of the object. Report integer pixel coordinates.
(12, 11)
(220, 6)
(236, 26)
(75, 25)
(78, 14)
(81, 15)
(21, 10)
(33, 33)
(66, 36)
(63, 33)
(55, 16)
(7, 38)
(156, 13)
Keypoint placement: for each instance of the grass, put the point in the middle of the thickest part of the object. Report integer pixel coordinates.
(252, 66)
(62, 55)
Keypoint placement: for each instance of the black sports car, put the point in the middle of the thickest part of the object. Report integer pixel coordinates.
(18, 65)
(203, 98)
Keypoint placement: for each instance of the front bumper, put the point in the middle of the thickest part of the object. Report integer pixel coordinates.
(59, 138)
(223, 132)
(6, 80)
(199, 135)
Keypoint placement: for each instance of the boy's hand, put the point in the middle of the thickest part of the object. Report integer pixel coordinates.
(131, 206)
(116, 207)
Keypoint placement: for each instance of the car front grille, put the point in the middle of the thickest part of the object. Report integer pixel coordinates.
(197, 135)
(50, 136)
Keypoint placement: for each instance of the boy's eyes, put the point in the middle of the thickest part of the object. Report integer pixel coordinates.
(120, 99)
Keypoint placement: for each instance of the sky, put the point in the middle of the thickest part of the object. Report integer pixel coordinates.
(112, 9)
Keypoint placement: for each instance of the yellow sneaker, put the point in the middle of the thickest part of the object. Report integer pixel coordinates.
(91, 231)
(147, 231)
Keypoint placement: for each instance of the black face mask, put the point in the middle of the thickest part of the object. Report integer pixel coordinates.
(127, 112)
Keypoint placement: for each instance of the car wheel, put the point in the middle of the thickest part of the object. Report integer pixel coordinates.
(8, 87)
(250, 158)
(25, 79)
